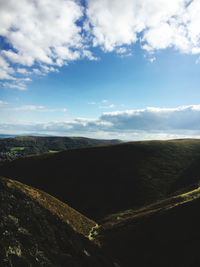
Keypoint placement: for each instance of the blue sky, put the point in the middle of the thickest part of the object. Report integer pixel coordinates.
(104, 70)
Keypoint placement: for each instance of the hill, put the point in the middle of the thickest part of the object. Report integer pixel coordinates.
(76, 220)
(38, 230)
(19, 146)
(103, 180)
(165, 233)
(2, 136)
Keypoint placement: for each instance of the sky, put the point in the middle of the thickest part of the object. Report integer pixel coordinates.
(100, 68)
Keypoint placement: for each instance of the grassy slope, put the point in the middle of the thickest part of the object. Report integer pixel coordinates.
(165, 233)
(76, 220)
(34, 233)
(103, 180)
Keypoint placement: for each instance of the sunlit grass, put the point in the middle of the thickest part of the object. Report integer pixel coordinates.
(17, 148)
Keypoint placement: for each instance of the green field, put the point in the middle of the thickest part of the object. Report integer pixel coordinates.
(35, 145)
(17, 148)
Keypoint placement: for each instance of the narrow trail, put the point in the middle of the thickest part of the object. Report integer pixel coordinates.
(159, 206)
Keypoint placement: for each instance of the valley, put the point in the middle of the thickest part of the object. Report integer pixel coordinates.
(127, 204)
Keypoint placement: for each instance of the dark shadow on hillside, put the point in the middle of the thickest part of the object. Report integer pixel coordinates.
(103, 180)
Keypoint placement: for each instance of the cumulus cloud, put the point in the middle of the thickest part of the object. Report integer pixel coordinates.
(148, 123)
(156, 24)
(49, 34)
(46, 32)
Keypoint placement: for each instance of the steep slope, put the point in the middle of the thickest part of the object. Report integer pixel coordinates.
(33, 233)
(99, 181)
(76, 220)
(165, 233)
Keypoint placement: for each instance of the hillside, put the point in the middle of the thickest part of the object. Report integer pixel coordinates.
(76, 220)
(103, 180)
(165, 233)
(19, 146)
(38, 230)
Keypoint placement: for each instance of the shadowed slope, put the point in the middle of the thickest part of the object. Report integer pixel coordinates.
(165, 233)
(103, 180)
(33, 233)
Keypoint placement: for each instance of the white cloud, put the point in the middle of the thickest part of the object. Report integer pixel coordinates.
(107, 106)
(18, 85)
(5, 70)
(121, 50)
(46, 69)
(161, 24)
(111, 22)
(26, 60)
(45, 32)
(152, 59)
(46, 35)
(184, 117)
(138, 124)
(2, 103)
(33, 108)
(29, 107)
(53, 110)
(37, 71)
(89, 55)
(41, 31)
(23, 71)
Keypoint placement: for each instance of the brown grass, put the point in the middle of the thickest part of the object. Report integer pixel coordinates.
(76, 220)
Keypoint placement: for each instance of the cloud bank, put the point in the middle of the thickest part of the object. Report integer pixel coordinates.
(41, 36)
(149, 123)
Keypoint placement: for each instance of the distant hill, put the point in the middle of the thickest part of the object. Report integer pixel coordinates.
(7, 136)
(35, 231)
(19, 146)
(103, 180)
